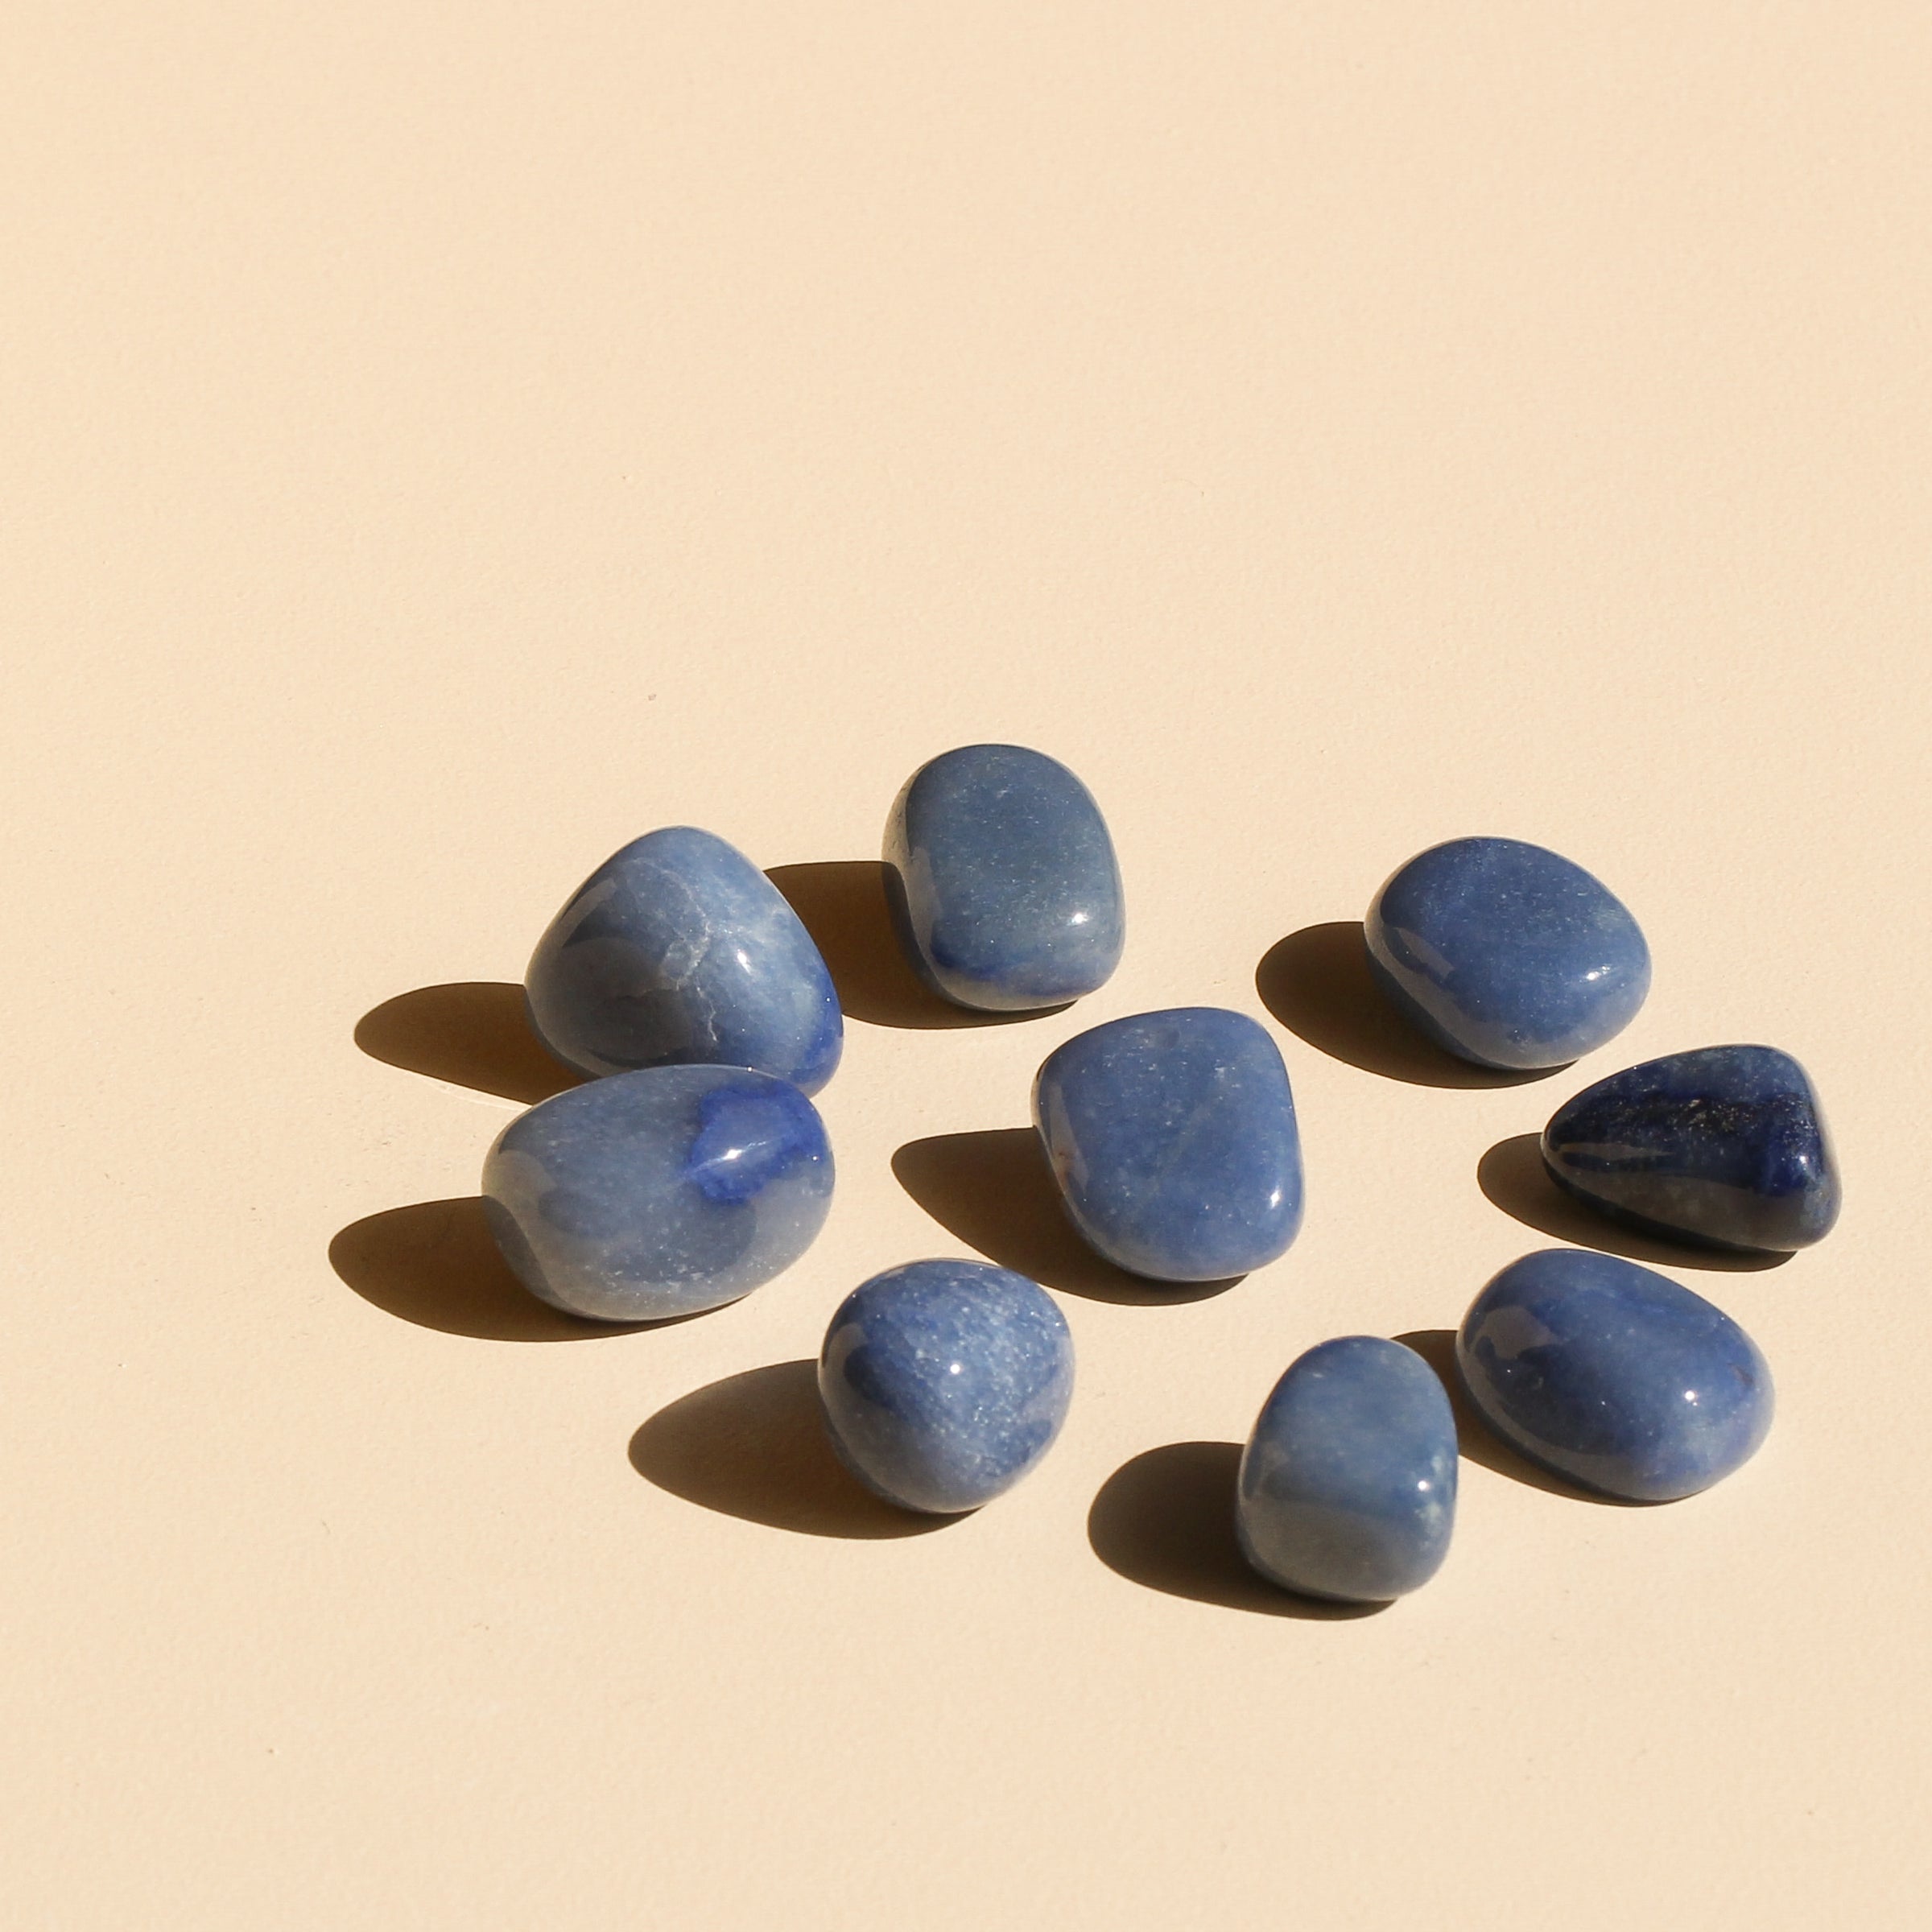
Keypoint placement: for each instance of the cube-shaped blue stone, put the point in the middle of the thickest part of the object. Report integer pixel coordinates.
(1172, 1138)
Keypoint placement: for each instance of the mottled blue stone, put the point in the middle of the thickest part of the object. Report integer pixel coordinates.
(1172, 1138)
(1347, 1485)
(1004, 884)
(1724, 1145)
(679, 952)
(1613, 1375)
(659, 1192)
(944, 1382)
(1505, 954)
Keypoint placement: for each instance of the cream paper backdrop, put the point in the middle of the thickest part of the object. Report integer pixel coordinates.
(442, 442)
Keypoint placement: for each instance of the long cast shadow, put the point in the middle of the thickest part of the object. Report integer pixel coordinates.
(843, 904)
(994, 1190)
(1166, 1521)
(1316, 982)
(1512, 1174)
(433, 1263)
(753, 1445)
(1475, 1442)
(473, 1033)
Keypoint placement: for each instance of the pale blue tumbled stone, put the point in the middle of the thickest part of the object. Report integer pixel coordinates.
(659, 1192)
(944, 1382)
(1506, 954)
(1614, 1376)
(1172, 1138)
(1003, 879)
(1724, 1145)
(678, 950)
(1347, 1483)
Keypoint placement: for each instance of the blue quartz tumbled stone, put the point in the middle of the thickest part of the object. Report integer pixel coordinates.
(659, 1192)
(1172, 1138)
(1724, 1145)
(1003, 879)
(1614, 1376)
(1505, 954)
(944, 1382)
(1347, 1485)
(678, 950)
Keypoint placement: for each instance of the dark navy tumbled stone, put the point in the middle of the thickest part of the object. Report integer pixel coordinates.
(1614, 1376)
(944, 1382)
(1172, 1138)
(1505, 954)
(1724, 1145)
(659, 1192)
(679, 952)
(1347, 1483)
(1003, 879)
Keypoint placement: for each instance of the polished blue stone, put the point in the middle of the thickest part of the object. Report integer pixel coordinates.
(1003, 879)
(659, 1192)
(1347, 1483)
(1505, 954)
(944, 1382)
(678, 950)
(1172, 1138)
(1614, 1376)
(1724, 1145)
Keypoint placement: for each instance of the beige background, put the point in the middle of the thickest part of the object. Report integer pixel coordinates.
(442, 442)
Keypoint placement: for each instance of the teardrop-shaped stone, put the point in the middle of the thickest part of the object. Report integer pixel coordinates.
(944, 1382)
(1506, 954)
(1003, 881)
(1614, 1376)
(1172, 1138)
(1347, 1483)
(1725, 1145)
(659, 1192)
(677, 951)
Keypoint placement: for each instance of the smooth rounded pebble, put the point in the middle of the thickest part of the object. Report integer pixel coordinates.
(1347, 1483)
(1725, 1145)
(944, 1382)
(1614, 1376)
(1505, 954)
(1172, 1138)
(1005, 887)
(660, 1192)
(677, 951)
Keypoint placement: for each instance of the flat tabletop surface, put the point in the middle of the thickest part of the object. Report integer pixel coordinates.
(443, 444)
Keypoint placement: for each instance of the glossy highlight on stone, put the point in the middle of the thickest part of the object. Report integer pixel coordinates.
(1347, 1483)
(659, 1192)
(944, 1382)
(1506, 954)
(677, 951)
(1172, 1138)
(1724, 1145)
(1005, 887)
(1614, 1376)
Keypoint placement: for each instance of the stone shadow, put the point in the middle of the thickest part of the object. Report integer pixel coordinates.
(433, 1263)
(1316, 982)
(845, 906)
(1512, 1174)
(473, 1033)
(1166, 1521)
(994, 1190)
(753, 1445)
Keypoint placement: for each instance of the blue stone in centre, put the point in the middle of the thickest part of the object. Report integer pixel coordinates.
(1172, 1138)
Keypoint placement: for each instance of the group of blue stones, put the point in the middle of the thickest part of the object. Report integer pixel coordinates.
(693, 1167)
